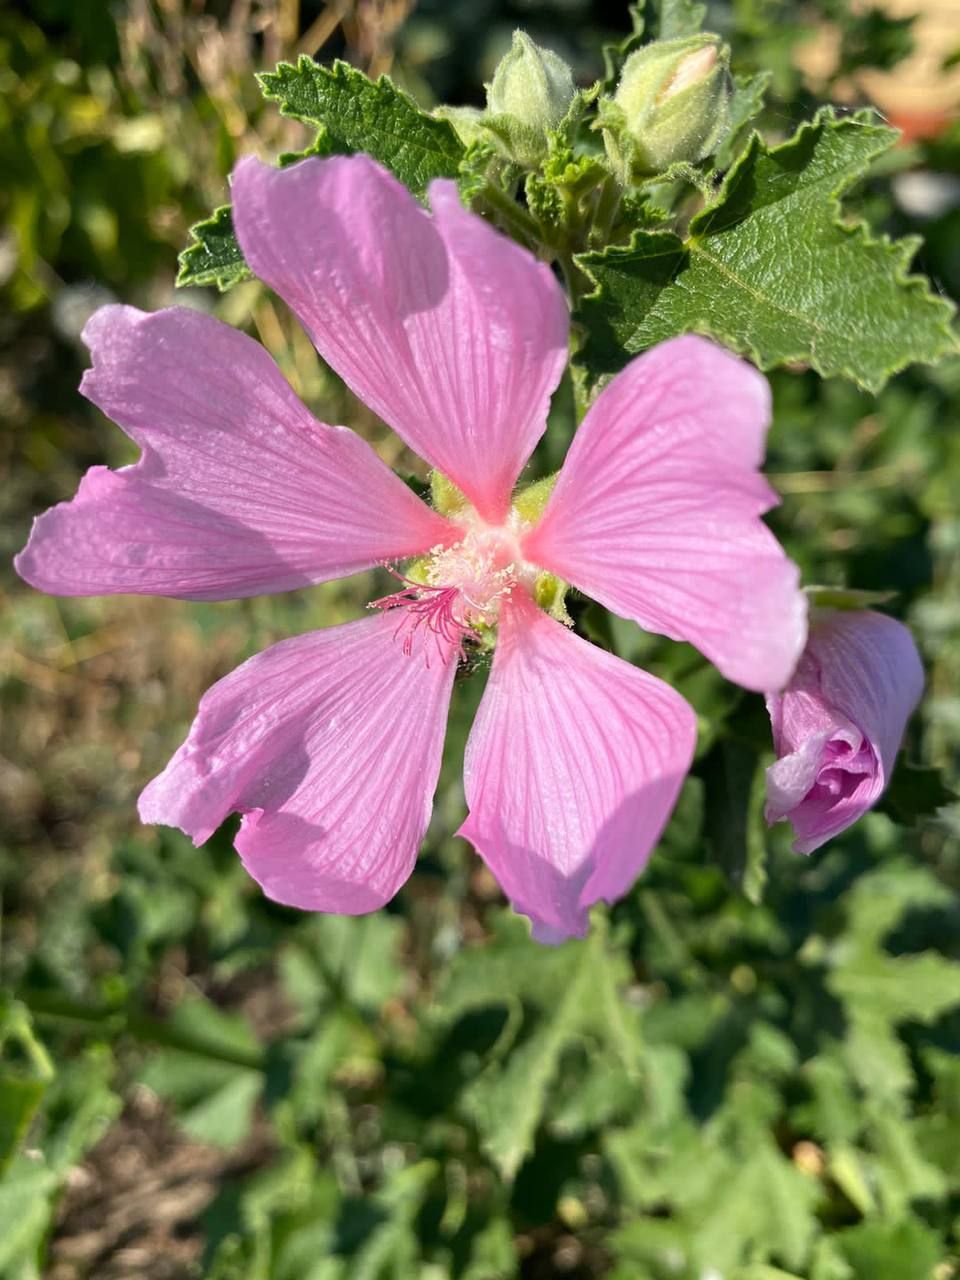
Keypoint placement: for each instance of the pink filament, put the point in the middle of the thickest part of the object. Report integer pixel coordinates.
(433, 606)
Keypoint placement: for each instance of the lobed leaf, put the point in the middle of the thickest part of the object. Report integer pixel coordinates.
(769, 269)
(352, 113)
(360, 114)
(215, 256)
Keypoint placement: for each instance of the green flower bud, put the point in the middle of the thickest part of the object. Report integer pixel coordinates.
(672, 104)
(531, 90)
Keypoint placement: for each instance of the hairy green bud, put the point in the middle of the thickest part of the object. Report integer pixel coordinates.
(531, 91)
(672, 104)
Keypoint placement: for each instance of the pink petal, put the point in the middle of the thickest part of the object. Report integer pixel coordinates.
(329, 744)
(449, 331)
(838, 725)
(239, 490)
(573, 767)
(656, 512)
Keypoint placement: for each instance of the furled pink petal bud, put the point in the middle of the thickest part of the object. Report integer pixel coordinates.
(838, 725)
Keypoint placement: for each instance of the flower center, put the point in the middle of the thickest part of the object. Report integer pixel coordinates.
(455, 593)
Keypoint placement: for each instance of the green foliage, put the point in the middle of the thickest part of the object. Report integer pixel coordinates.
(751, 1065)
(215, 257)
(351, 113)
(361, 115)
(769, 269)
(576, 992)
(667, 19)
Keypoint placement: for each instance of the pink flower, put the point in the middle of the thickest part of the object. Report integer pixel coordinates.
(838, 725)
(329, 743)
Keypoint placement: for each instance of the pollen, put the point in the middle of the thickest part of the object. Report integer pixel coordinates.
(455, 593)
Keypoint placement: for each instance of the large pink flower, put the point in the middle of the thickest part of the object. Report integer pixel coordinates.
(329, 744)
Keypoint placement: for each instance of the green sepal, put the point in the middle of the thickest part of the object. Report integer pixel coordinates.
(746, 103)
(519, 142)
(529, 502)
(847, 597)
(445, 496)
(550, 593)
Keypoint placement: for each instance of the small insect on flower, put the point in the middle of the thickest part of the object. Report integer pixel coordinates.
(838, 725)
(329, 743)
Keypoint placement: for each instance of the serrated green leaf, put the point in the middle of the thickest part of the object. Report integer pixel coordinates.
(576, 988)
(215, 256)
(360, 114)
(351, 113)
(770, 270)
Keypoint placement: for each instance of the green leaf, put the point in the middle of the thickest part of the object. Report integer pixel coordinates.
(764, 1210)
(26, 1207)
(20, 1096)
(745, 105)
(215, 256)
(212, 1092)
(733, 798)
(906, 1250)
(770, 270)
(22, 1084)
(360, 114)
(351, 113)
(880, 990)
(916, 791)
(576, 989)
(667, 19)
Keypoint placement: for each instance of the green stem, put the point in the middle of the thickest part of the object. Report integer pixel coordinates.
(517, 218)
(118, 1020)
(608, 206)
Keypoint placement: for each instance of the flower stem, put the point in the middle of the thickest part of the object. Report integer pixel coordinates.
(512, 214)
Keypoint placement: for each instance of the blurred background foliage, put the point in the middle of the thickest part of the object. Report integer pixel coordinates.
(749, 1071)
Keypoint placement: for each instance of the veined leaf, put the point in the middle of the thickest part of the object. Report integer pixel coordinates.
(215, 257)
(576, 988)
(770, 270)
(351, 113)
(365, 115)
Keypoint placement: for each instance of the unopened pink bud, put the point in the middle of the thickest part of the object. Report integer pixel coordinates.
(838, 725)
